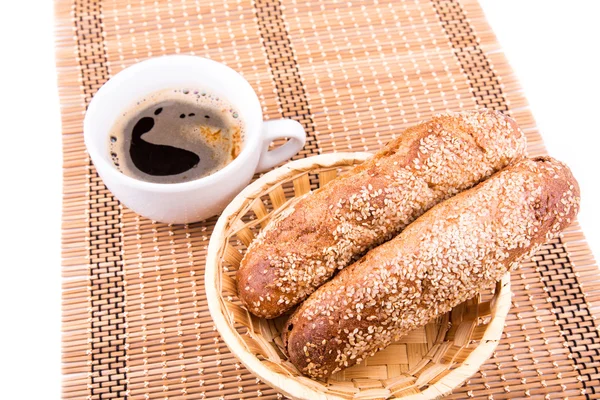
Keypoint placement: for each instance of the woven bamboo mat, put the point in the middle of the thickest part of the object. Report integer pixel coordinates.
(135, 319)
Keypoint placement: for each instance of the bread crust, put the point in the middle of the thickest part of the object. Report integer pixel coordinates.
(458, 248)
(330, 228)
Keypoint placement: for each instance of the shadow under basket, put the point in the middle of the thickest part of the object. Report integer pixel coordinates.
(428, 363)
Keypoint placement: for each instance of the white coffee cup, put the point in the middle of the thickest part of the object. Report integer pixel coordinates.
(201, 198)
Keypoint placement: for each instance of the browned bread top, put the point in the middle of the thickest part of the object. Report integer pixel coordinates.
(458, 248)
(330, 228)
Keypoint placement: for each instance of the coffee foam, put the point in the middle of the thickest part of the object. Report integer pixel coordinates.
(183, 122)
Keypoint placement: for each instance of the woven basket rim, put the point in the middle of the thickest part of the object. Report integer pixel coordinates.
(290, 386)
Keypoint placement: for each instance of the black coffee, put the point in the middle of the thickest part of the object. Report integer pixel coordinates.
(174, 136)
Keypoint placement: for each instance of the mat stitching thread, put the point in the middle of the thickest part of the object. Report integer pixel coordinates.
(564, 316)
(471, 57)
(285, 71)
(108, 354)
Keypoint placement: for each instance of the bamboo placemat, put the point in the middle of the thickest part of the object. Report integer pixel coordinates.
(135, 319)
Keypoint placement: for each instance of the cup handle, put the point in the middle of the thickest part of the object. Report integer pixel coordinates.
(280, 129)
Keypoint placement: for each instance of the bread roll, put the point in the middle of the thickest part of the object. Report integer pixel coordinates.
(330, 228)
(460, 247)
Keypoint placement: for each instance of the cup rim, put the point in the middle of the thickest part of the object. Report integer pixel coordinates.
(106, 167)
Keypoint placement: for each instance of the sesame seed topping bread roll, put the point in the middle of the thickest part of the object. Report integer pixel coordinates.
(328, 229)
(457, 249)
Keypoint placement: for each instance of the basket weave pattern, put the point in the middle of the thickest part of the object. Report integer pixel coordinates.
(426, 363)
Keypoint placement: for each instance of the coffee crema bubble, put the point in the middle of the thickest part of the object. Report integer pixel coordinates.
(176, 135)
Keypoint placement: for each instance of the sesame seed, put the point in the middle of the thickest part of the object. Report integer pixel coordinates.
(332, 227)
(459, 248)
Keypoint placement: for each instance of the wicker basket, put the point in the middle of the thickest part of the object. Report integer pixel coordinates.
(426, 364)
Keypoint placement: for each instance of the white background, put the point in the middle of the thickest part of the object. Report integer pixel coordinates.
(552, 45)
